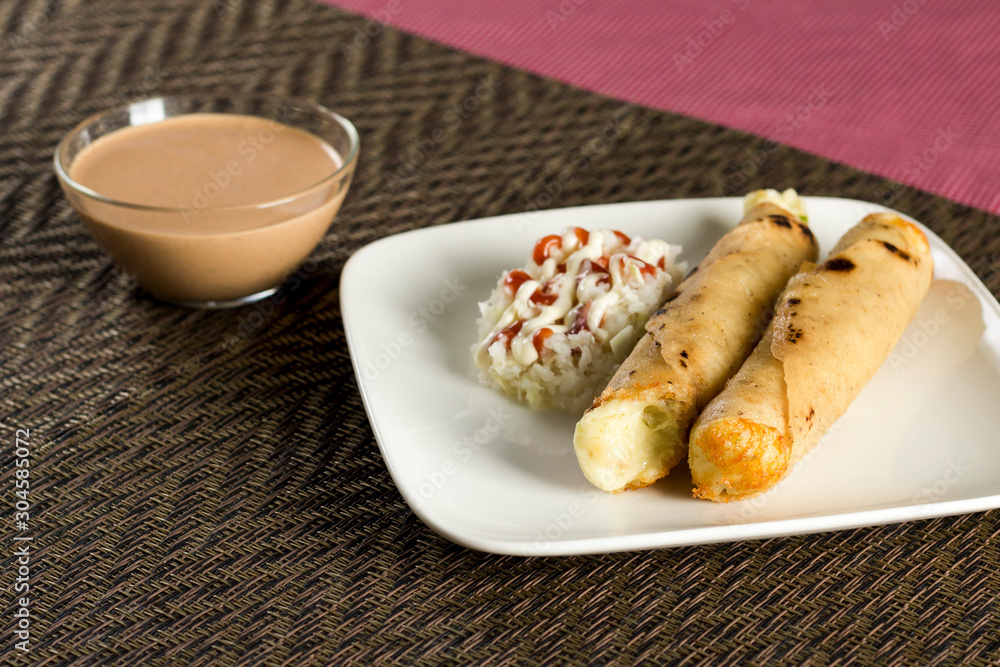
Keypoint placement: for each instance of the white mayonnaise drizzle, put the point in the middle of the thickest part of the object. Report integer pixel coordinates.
(573, 288)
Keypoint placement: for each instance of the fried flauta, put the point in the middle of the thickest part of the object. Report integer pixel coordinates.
(637, 428)
(834, 325)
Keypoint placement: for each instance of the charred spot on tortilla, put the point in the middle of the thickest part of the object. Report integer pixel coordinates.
(684, 354)
(902, 254)
(695, 269)
(663, 309)
(805, 230)
(794, 301)
(781, 221)
(841, 264)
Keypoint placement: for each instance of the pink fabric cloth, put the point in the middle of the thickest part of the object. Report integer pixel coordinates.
(908, 89)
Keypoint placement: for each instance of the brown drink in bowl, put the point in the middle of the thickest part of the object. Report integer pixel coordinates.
(205, 208)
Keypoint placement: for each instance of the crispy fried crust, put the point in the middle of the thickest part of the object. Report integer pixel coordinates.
(759, 460)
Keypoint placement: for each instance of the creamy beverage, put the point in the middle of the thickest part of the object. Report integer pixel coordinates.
(209, 207)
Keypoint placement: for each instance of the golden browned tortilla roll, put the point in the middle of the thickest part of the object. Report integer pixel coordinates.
(833, 327)
(637, 428)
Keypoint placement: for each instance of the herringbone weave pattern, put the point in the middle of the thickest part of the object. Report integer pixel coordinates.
(207, 488)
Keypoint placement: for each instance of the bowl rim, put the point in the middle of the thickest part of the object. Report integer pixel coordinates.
(345, 168)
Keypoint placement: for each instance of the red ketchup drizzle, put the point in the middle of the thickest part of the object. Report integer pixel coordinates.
(623, 238)
(644, 268)
(514, 280)
(544, 247)
(582, 235)
(507, 334)
(538, 340)
(539, 298)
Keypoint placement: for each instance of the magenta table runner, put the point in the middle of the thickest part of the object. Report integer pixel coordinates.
(908, 89)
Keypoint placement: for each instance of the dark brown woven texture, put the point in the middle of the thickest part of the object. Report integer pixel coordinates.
(207, 488)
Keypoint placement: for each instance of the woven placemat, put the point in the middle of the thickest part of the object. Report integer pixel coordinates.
(205, 486)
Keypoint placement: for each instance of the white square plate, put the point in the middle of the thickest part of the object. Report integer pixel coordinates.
(922, 439)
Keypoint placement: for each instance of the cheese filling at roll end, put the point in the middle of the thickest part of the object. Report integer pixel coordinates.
(628, 444)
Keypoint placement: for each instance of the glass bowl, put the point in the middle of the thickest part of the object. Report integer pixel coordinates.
(194, 246)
